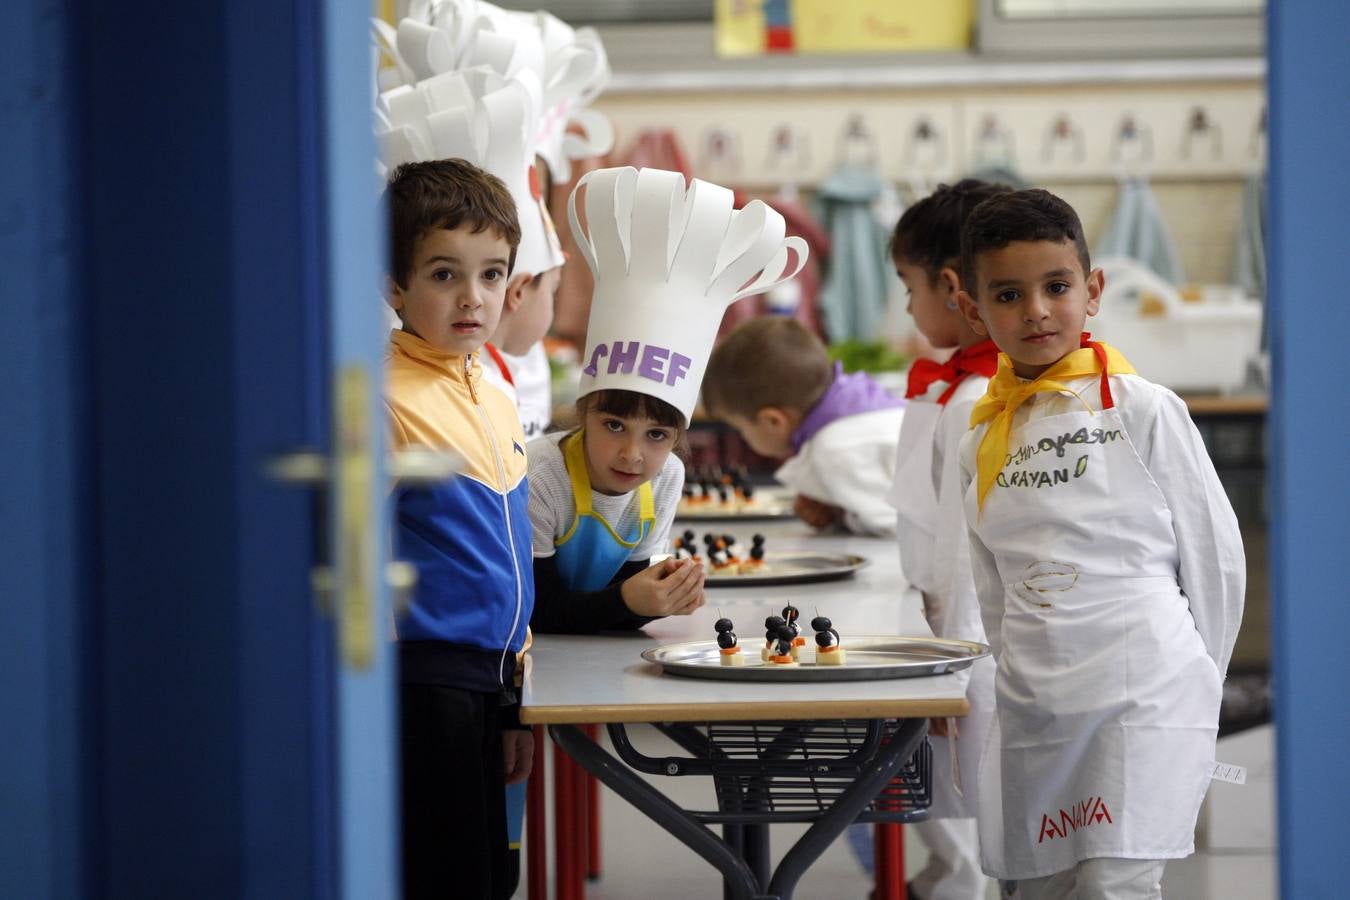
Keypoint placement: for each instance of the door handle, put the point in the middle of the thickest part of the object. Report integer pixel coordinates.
(352, 476)
(399, 576)
(414, 467)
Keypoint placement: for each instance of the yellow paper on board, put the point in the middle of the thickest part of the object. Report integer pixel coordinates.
(875, 26)
(739, 27)
(848, 26)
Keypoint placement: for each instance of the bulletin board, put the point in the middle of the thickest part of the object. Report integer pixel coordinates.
(757, 27)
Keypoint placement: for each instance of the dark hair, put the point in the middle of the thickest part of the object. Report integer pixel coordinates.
(767, 361)
(449, 194)
(631, 404)
(929, 233)
(1030, 215)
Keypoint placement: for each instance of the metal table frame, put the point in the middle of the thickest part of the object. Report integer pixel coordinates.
(741, 854)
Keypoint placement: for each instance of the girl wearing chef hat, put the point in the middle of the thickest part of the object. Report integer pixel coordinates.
(667, 262)
(1110, 573)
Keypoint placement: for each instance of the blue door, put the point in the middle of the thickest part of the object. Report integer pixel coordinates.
(190, 240)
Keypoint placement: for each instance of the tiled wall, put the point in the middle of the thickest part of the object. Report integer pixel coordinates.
(1074, 139)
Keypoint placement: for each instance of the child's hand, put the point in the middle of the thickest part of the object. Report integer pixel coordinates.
(670, 588)
(517, 754)
(815, 513)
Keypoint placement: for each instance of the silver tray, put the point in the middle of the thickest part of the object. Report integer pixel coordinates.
(793, 568)
(870, 657)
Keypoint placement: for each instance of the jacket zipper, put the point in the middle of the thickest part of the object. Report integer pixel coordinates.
(506, 513)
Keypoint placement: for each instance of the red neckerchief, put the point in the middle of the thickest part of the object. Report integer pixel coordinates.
(1085, 340)
(977, 359)
(501, 363)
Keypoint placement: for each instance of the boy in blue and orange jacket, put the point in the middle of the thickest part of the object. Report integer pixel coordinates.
(454, 234)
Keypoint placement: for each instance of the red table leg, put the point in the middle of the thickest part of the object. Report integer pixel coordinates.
(536, 827)
(889, 841)
(593, 868)
(579, 831)
(564, 834)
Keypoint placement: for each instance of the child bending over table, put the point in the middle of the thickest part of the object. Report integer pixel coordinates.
(772, 381)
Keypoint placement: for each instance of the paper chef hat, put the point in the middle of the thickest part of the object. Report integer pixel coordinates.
(488, 117)
(667, 263)
(576, 70)
(571, 66)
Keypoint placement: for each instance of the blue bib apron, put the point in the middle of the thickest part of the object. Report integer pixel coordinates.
(592, 552)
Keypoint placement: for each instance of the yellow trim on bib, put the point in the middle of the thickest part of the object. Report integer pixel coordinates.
(574, 458)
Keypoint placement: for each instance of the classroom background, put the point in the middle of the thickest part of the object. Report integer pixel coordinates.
(191, 357)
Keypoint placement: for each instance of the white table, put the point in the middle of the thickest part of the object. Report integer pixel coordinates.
(602, 678)
(570, 680)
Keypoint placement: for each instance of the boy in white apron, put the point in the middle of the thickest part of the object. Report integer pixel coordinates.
(931, 525)
(1109, 570)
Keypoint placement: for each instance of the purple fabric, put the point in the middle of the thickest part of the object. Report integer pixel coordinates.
(847, 395)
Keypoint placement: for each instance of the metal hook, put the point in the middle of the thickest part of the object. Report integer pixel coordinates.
(856, 135)
(1062, 132)
(789, 151)
(925, 139)
(1133, 141)
(1200, 127)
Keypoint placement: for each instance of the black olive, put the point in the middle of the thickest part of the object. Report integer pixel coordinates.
(820, 623)
(722, 625)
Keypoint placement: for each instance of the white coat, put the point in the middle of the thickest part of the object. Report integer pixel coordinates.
(935, 558)
(1110, 574)
(850, 463)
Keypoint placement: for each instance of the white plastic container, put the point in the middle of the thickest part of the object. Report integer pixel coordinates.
(1198, 347)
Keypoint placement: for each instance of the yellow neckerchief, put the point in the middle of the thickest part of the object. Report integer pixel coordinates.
(1007, 392)
(574, 456)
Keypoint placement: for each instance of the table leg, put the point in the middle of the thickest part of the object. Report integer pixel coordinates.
(580, 830)
(564, 833)
(739, 880)
(889, 759)
(593, 867)
(890, 861)
(757, 855)
(536, 827)
(734, 835)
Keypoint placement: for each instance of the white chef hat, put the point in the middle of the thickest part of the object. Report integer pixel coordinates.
(667, 263)
(576, 69)
(571, 66)
(457, 34)
(489, 115)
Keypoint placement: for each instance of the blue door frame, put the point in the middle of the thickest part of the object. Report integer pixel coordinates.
(45, 829)
(177, 723)
(167, 697)
(1310, 436)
